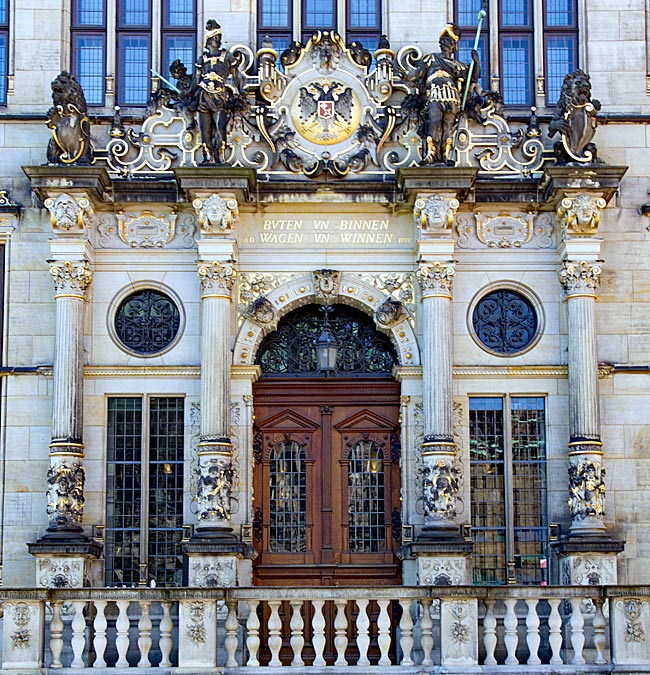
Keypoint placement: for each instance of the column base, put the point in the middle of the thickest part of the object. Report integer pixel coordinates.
(588, 560)
(442, 556)
(215, 562)
(65, 563)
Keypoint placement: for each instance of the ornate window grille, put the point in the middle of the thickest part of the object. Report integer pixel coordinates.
(366, 505)
(508, 487)
(505, 322)
(147, 322)
(291, 349)
(288, 498)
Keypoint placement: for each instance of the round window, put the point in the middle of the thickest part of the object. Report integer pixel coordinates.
(147, 322)
(505, 322)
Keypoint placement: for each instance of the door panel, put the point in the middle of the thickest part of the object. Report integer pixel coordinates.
(322, 445)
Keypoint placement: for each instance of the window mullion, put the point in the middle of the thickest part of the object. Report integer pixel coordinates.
(495, 62)
(538, 53)
(144, 499)
(508, 479)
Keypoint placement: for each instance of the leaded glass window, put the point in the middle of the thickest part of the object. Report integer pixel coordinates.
(144, 491)
(366, 505)
(291, 349)
(147, 322)
(288, 498)
(505, 322)
(508, 487)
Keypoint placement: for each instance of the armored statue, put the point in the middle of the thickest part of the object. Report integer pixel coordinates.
(575, 120)
(216, 98)
(68, 120)
(440, 78)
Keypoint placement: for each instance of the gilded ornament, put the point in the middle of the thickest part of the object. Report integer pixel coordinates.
(580, 278)
(69, 214)
(65, 493)
(326, 285)
(146, 230)
(214, 491)
(580, 214)
(217, 277)
(586, 489)
(436, 279)
(435, 212)
(440, 486)
(504, 230)
(71, 278)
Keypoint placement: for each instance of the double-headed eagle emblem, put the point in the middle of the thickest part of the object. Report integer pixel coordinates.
(326, 110)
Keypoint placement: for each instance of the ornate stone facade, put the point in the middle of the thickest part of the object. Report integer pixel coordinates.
(218, 214)
(435, 213)
(217, 278)
(436, 279)
(580, 214)
(580, 278)
(70, 214)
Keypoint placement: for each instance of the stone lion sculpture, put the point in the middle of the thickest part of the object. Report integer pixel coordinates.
(575, 120)
(68, 120)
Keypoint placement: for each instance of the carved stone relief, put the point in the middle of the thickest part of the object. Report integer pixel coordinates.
(436, 279)
(217, 277)
(586, 488)
(580, 278)
(435, 213)
(591, 570)
(70, 215)
(326, 285)
(60, 573)
(218, 214)
(65, 492)
(215, 487)
(580, 214)
(441, 571)
(504, 230)
(217, 572)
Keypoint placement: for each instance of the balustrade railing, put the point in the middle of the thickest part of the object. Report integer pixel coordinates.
(511, 627)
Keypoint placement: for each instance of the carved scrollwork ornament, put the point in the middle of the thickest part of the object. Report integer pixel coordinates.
(70, 215)
(71, 278)
(326, 285)
(441, 485)
(435, 212)
(580, 278)
(217, 214)
(436, 279)
(217, 278)
(586, 488)
(580, 214)
(214, 491)
(65, 493)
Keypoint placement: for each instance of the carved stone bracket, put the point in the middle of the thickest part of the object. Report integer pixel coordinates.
(580, 214)
(390, 312)
(70, 215)
(217, 278)
(434, 214)
(436, 279)
(218, 214)
(71, 278)
(580, 278)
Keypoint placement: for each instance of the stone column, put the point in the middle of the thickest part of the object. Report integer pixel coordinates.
(64, 549)
(441, 550)
(588, 553)
(214, 549)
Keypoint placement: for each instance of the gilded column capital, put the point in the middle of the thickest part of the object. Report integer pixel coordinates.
(436, 279)
(218, 214)
(217, 279)
(580, 214)
(71, 278)
(435, 213)
(70, 215)
(580, 277)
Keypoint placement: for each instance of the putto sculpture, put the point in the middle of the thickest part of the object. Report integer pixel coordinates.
(68, 120)
(440, 78)
(575, 120)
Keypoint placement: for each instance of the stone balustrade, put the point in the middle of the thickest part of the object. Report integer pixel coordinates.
(415, 629)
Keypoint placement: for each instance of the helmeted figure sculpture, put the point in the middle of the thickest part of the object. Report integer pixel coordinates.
(68, 120)
(575, 120)
(440, 78)
(216, 99)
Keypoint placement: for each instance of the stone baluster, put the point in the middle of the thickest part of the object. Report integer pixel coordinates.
(56, 634)
(275, 630)
(318, 625)
(144, 634)
(363, 633)
(99, 627)
(532, 632)
(510, 637)
(406, 630)
(78, 640)
(340, 632)
(383, 629)
(252, 634)
(577, 623)
(297, 626)
(555, 631)
(231, 642)
(490, 633)
(166, 628)
(599, 624)
(426, 632)
(122, 639)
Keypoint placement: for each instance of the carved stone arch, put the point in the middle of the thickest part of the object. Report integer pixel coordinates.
(352, 291)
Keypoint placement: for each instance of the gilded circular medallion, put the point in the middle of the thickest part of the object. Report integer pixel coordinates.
(326, 112)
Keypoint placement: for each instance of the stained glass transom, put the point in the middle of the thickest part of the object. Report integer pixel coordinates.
(288, 498)
(366, 524)
(291, 349)
(147, 321)
(505, 321)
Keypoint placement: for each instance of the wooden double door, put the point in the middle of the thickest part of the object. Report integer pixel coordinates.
(326, 482)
